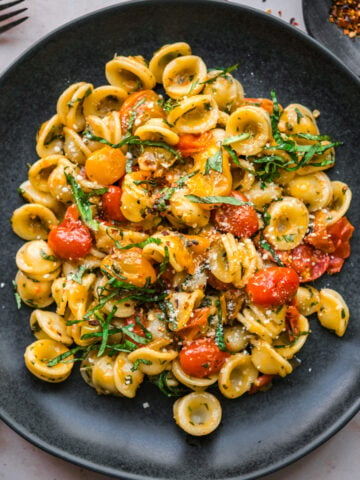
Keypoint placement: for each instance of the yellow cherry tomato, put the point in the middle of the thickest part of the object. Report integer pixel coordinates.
(106, 165)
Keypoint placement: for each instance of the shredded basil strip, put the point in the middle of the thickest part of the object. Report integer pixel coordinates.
(133, 140)
(82, 202)
(140, 361)
(237, 138)
(49, 258)
(219, 329)
(222, 73)
(106, 331)
(232, 154)
(217, 199)
(141, 244)
(214, 163)
(161, 381)
(77, 276)
(266, 246)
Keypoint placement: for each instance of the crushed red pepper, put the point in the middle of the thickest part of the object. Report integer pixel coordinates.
(346, 15)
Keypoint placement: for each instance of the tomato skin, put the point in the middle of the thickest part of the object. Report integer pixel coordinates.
(273, 286)
(333, 239)
(340, 233)
(264, 103)
(71, 239)
(240, 220)
(145, 104)
(190, 143)
(111, 202)
(202, 357)
(309, 263)
(197, 325)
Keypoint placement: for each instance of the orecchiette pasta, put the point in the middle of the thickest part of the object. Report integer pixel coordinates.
(175, 234)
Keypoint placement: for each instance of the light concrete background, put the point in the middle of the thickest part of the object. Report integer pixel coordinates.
(337, 459)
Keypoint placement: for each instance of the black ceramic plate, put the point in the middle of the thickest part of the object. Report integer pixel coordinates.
(259, 433)
(316, 16)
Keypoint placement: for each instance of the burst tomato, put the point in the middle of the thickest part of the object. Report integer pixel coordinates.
(202, 357)
(340, 233)
(190, 143)
(273, 286)
(264, 103)
(111, 203)
(71, 239)
(308, 262)
(140, 107)
(240, 220)
(197, 324)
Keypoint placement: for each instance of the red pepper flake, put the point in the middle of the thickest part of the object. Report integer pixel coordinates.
(346, 15)
(280, 13)
(268, 10)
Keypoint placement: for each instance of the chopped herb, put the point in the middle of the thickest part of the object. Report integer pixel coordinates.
(217, 199)
(82, 202)
(141, 244)
(80, 99)
(45, 256)
(223, 73)
(219, 329)
(162, 381)
(140, 361)
(17, 295)
(77, 276)
(299, 115)
(133, 140)
(237, 138)
(266, 246)
(214, 163)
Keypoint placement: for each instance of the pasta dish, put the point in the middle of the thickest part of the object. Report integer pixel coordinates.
(172, 228)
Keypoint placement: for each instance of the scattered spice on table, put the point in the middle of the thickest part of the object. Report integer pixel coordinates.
(346, 15)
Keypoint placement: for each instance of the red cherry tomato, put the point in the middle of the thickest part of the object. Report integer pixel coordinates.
(240, 220)
(308, 262)
(335, 264)
(190, 143)
(273, 286)
(71, 239)
(141, 106)
(340, 233)
(202, 357)
(111, 202)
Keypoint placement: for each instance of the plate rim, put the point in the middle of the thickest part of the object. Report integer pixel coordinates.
(103, 469)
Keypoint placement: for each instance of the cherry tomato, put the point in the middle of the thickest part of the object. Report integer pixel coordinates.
(308, 262)
(292, 322)
(106, 165)
(140, 107)
(240, 220)
(340, 233)
(202, 357)
(273, 286)
(71, 239)
(197, 325)
(129, 266)
(335, 264)
(264, 103)
(111, 202)
(190, 143)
